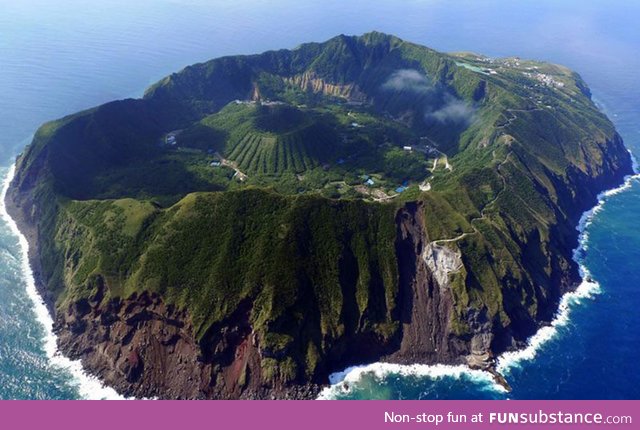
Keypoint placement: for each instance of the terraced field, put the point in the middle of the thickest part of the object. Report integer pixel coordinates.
(270, 154)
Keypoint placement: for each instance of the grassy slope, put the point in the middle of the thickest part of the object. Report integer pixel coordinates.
(212, 251)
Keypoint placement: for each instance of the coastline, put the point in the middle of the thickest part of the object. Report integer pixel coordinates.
(88, 386)
(341, 382)
(587, 290)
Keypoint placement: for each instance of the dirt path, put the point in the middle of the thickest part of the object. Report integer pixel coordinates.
(232, 164)
(434, 147)
(376, 194)
(483, 210)
(515, 117)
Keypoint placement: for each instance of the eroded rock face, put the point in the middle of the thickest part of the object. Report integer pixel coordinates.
(140, 346)
(311, 82)
(441, 261)
(480, 355)
(145, 348)
(427, 302)
(425, 298)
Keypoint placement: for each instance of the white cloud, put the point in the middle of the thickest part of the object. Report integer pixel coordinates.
(454, 110)
(408, 80)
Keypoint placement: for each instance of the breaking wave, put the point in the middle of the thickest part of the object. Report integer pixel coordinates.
(342, 382)
(89, 387)
(587, 289)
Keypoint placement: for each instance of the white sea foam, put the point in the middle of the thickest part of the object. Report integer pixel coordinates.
(344, 381)
(88, 386)
(588, 288)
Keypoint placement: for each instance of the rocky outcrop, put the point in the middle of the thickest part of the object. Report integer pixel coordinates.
(313, 83)
(139, 346)
(425, 297)
(145, 348)
(426, 301)
(441, 261)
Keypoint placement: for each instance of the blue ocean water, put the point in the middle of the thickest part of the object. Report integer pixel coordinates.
(59, 57)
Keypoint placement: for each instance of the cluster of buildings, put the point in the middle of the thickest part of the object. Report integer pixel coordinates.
(369, 181)
(259, 102)
(544, 79)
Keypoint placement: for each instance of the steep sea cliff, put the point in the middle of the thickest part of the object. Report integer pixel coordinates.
(96, 337)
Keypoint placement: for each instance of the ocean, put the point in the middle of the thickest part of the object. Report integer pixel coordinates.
(59, 57)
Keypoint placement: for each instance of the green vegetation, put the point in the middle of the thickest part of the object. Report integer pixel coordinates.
(275, 179)
(211, 251)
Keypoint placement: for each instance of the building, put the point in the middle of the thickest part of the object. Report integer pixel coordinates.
(369, 182)
(172, 137)
(407, 148)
